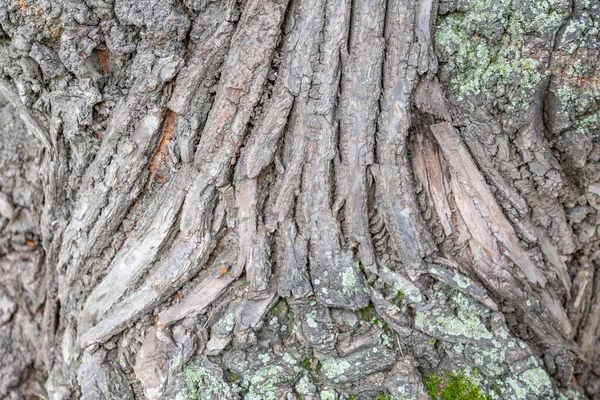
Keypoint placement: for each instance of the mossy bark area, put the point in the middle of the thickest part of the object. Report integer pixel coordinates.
(300, 199)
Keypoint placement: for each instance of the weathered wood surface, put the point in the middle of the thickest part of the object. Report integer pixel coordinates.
(299, 199)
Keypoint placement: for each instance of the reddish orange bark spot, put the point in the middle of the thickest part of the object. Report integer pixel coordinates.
(222, 272)
(159, 157)
(103, 60)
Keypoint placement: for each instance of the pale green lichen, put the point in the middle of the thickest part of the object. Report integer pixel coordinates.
(310, 319)
(468, 326)
(176, 362)
(519, 390)
(287, 358)
(536, 380)
(262, 385)
(327, 395)
(407, 289)
(333, 368)
(481, 51)
(349, 277)
(202, 384)
(461, 281)
(303, 386)
(227, 322)
(264, 358)
(448, 316)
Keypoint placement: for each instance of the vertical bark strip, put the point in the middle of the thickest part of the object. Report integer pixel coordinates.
(336, 278)
(393, 176)
(358, 115)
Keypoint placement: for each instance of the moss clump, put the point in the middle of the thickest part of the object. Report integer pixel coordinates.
(367, 312)
(279, 309)
(452, 387)
(319, 366)
(397, 301)
(383, 396)
(308, 364)
(431, 383)
(380, 324)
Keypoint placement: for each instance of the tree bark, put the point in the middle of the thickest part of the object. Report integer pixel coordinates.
(299, 199)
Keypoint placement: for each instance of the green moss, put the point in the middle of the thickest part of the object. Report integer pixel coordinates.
(452, 387)
(431, 383)
(367, 312)
(308, 365)
(280, 308)
(398, 299)
(232, 376)
(383, 396)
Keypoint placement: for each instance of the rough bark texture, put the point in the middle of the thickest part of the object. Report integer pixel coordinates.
(299, 199)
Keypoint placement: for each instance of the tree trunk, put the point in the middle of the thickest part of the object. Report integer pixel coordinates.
(299, 199)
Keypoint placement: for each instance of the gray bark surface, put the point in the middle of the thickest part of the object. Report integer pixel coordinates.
(299, 199)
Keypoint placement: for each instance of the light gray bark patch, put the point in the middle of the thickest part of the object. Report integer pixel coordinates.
(296, 140)
(254, 247)
(299, 52)
(208, 289)
(484, 203)
(314, 326)
(405, 382)
(47, 59)
(210, 47)
(185, 258)
(291, 257)
(158, 358)
(252, 315)
(137, 254)
(462, 284)
(99, 380)
(33, 125)
(115, 178)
